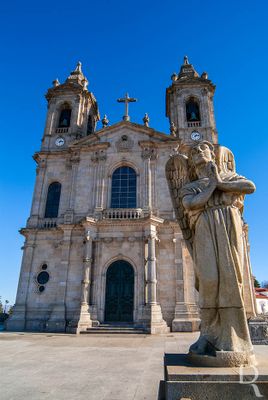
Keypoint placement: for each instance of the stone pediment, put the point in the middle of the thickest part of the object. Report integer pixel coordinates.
(116, 132)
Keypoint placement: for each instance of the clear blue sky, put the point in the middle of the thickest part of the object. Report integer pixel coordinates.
(131, 46)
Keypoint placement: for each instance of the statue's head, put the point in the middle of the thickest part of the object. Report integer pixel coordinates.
(201, 153)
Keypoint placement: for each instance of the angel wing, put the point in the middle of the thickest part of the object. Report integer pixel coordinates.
(226, 166)
(177, 176)
(225, 160)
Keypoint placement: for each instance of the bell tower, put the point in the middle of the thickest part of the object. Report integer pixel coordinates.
(72, 111)
(189, 105)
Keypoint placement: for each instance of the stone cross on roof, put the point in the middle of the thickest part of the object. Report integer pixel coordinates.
(126, 100)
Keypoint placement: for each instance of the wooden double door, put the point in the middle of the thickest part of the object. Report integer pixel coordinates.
(119, 298)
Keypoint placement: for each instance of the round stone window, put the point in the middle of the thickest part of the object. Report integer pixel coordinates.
(41, 288)
(44, 266)
(42, 278)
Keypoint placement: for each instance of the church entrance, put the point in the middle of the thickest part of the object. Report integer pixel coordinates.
(119, 299)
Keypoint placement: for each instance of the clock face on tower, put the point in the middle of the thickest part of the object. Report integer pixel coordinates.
(59, 141)
(195, 135)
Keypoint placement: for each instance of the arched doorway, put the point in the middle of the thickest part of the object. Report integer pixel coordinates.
(119, 297)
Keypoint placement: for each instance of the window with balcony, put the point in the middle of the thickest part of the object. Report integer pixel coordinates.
(124, 188)
(53, 200)
(193, 113)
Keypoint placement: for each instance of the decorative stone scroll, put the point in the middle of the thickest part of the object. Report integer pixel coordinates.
(149, 153)
(99, 155)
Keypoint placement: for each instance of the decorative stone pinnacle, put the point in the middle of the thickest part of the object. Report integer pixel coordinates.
(78, 67)
(187, 70)
(146, 119)
(173, 129)
(174, 77)
(186, 61)
(56, 83)
(105, 121)
(126, 100)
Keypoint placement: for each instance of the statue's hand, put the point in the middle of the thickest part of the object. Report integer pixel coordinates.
(213, 173)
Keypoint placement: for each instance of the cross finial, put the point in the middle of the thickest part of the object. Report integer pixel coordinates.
(186, 61)
(126, 100)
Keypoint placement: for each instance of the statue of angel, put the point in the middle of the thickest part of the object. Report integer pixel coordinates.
(208, 195)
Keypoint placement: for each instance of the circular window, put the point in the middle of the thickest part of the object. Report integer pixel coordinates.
(41, 289)
(42, 278)
(124, 138)
(44, 266)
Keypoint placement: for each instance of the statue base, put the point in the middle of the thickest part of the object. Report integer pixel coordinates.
(222, 359)
(183, 380)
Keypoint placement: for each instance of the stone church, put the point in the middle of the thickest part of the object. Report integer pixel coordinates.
(102, 245)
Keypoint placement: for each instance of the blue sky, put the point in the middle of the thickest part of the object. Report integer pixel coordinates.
(131, 46)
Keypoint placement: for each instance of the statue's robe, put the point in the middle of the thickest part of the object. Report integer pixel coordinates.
(218, 255)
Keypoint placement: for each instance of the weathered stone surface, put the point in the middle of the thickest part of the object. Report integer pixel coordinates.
(258, 328)
(74, 296)
(207, 195)
(183, 380)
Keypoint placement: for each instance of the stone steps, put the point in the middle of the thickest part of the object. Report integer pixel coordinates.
(114, 329)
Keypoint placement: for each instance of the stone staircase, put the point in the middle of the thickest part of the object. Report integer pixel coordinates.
(112, 329)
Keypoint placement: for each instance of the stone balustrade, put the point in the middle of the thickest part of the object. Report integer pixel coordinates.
(194, 124)
(122, 213)
(47, 223)
(62, 130)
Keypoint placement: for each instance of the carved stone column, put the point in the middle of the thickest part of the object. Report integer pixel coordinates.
(83, 320)
(152, 281)
(99, 159)
(85, 295)
(148, 154)
(156, 324)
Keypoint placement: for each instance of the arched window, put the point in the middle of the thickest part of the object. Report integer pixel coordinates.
(65, 116)
(53, 200)
(192, 110)
(124, 187)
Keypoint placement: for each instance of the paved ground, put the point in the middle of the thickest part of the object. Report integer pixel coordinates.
(92, 367)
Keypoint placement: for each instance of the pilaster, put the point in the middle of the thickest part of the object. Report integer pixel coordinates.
(84, 320)
(152, 308)
(186, 317)
(57, 320)
(17, 322)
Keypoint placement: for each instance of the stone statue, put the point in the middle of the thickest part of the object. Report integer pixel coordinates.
(208, 196)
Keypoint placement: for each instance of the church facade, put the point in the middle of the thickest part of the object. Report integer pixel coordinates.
(102, 245)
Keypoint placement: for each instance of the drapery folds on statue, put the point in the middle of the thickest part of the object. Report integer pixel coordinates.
(208, 196)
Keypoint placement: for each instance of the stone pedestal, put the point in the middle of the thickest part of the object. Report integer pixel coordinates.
(185, 381)
(82, 322)
(157, 324)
